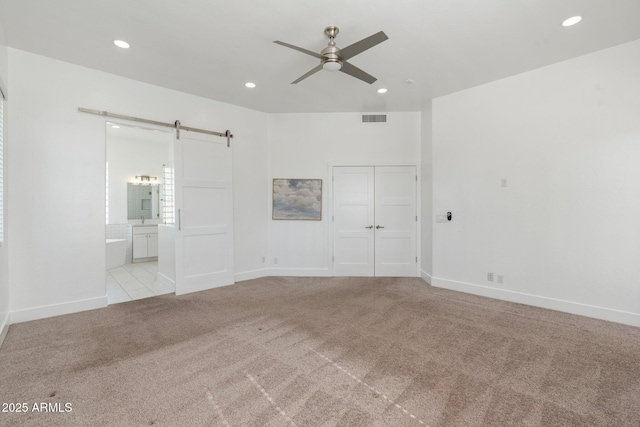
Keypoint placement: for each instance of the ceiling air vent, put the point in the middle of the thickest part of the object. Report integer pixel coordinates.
(374, 118)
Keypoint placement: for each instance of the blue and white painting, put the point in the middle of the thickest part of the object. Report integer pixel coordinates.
(297, 199)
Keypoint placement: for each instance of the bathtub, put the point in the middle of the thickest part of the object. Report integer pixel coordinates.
(116, 252)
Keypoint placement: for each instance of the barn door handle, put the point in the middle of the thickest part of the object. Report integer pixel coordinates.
(379, 226)
(369, 227)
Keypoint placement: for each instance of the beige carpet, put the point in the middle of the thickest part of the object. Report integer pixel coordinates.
(321, 352)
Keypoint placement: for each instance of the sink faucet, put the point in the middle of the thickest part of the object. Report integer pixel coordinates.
(142, 218)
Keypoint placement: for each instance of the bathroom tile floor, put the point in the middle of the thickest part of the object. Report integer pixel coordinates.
(136, 281)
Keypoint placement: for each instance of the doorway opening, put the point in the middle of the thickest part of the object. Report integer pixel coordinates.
(139, 202)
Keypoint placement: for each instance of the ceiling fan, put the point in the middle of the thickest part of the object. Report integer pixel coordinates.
(333, 58)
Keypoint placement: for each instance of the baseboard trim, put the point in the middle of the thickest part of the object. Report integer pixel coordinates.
(253, 274)
(199, 287)
(4, 328)
(43, 312)
(426, 276)
(303, 272)
(167, 278)
(587, 310)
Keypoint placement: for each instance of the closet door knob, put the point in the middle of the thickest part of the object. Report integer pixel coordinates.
(369, 227)
(379, 226)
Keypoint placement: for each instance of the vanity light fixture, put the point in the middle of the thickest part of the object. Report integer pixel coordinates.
(144, 179)
(571, 21)
(121, 43)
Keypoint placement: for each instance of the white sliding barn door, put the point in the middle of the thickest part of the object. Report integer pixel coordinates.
(204, 237)
(374, 221)
(396, 221)
(353, 232)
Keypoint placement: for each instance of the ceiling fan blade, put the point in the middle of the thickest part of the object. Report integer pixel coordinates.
(300, 49)
(364, 44)
(356, 72)
(312, 71)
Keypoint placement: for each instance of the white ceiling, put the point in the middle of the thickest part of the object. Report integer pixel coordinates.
(212, 47)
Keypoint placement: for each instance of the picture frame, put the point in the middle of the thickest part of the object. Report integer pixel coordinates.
(297, 199)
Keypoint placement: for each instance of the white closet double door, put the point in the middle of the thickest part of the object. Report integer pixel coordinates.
(375, 221)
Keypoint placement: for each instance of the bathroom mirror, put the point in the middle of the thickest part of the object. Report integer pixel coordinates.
(144, 201)
(141, 156)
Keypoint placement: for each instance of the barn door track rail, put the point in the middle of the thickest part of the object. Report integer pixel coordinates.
(176, 125)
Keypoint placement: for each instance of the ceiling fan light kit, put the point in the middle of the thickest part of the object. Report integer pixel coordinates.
(332, 58)
(332, 65)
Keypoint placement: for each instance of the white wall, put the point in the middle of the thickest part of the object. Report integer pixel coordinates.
(4, 59)
(57, 232)
(426, 186)
(304, 146)
(564, 232)
(4, 253)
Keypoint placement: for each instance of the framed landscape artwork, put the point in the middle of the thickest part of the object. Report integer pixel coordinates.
(297, 199)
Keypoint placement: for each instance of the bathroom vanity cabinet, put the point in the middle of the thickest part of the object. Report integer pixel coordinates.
(145, 242)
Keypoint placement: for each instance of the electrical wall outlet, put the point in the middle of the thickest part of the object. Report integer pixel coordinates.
(499, 278)
(490, 277)
(264, 259)
(275, 260)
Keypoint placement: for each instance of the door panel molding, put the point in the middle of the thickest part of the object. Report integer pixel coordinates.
(203, 194)
(395, 210)
(353, 193)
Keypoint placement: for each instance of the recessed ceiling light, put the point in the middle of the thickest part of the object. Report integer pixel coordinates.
(115, 127)
(250, 85)
(382, 90)
(571, 21)
(121, 43)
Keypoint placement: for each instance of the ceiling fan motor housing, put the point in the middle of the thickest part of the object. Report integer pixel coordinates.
(332, 60)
